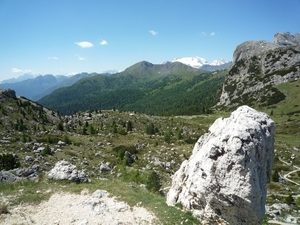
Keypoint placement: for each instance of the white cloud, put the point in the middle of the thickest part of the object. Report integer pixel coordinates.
(103, 42)
(80, 58)
(153, 32)
(84, 44)
(203, 33)
(16, 70)
(71, 73)
(52, 58)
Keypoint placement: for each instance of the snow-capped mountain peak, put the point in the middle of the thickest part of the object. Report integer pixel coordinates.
(217, 62)
(198, 62)
(195, 62)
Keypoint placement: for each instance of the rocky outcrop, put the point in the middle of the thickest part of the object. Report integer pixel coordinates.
(224, 180)
(9, 93)
(287, 38)
(64, 170)
(257, 67)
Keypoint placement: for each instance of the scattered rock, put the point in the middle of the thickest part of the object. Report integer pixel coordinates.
(224, 181)
(61, 143)
(28, 158)
(276, 209)
(105, 167)
(4, 142)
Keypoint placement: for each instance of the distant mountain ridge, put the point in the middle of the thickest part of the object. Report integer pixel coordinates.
(37, 87)
(23, 77)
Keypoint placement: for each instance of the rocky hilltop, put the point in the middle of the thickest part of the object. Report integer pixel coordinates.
(224, 180)
(258, 66)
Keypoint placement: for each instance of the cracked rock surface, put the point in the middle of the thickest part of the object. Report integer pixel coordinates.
(224, 180)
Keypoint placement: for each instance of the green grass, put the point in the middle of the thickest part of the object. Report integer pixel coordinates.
(291, 104)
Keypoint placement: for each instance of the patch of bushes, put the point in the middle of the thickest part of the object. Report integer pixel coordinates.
(9, 162)
(284, 71)
(275, 176)
(46, 151)
(123, 149)
(276, 97)
(235, 68)
(289, 199)
(230, 87)
(66, 139)
(151, 129)
(149, 178)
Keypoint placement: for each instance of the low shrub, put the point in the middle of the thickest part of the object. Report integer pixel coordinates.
(9, 162)
(3, 209)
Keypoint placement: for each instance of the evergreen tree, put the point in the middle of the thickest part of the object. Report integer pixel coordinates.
(129, 126)
(60, 126)
(275, 176)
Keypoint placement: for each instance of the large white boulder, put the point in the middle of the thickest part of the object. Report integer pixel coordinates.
(63, 170)
(224, 180)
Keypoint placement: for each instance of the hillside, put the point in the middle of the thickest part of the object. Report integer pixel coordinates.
(98, 138)
(37, 138)
(162, 89)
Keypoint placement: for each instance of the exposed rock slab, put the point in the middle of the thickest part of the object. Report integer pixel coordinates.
(224, 180)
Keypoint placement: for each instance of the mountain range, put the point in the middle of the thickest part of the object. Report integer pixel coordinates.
(46, 84)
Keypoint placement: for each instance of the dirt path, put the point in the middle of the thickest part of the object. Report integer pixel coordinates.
(281, 223)
(84, 209)
(294, 171)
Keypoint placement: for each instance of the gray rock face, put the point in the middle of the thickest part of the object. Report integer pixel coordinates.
(224, 180)
(64, 170)
(251, 48)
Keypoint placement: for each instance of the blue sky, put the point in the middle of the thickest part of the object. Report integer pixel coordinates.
(72, 36)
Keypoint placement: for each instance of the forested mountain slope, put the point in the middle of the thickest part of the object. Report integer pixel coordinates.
(163, 89)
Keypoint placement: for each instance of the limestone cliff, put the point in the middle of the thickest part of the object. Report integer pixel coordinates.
(256, 69)
(224, 180)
